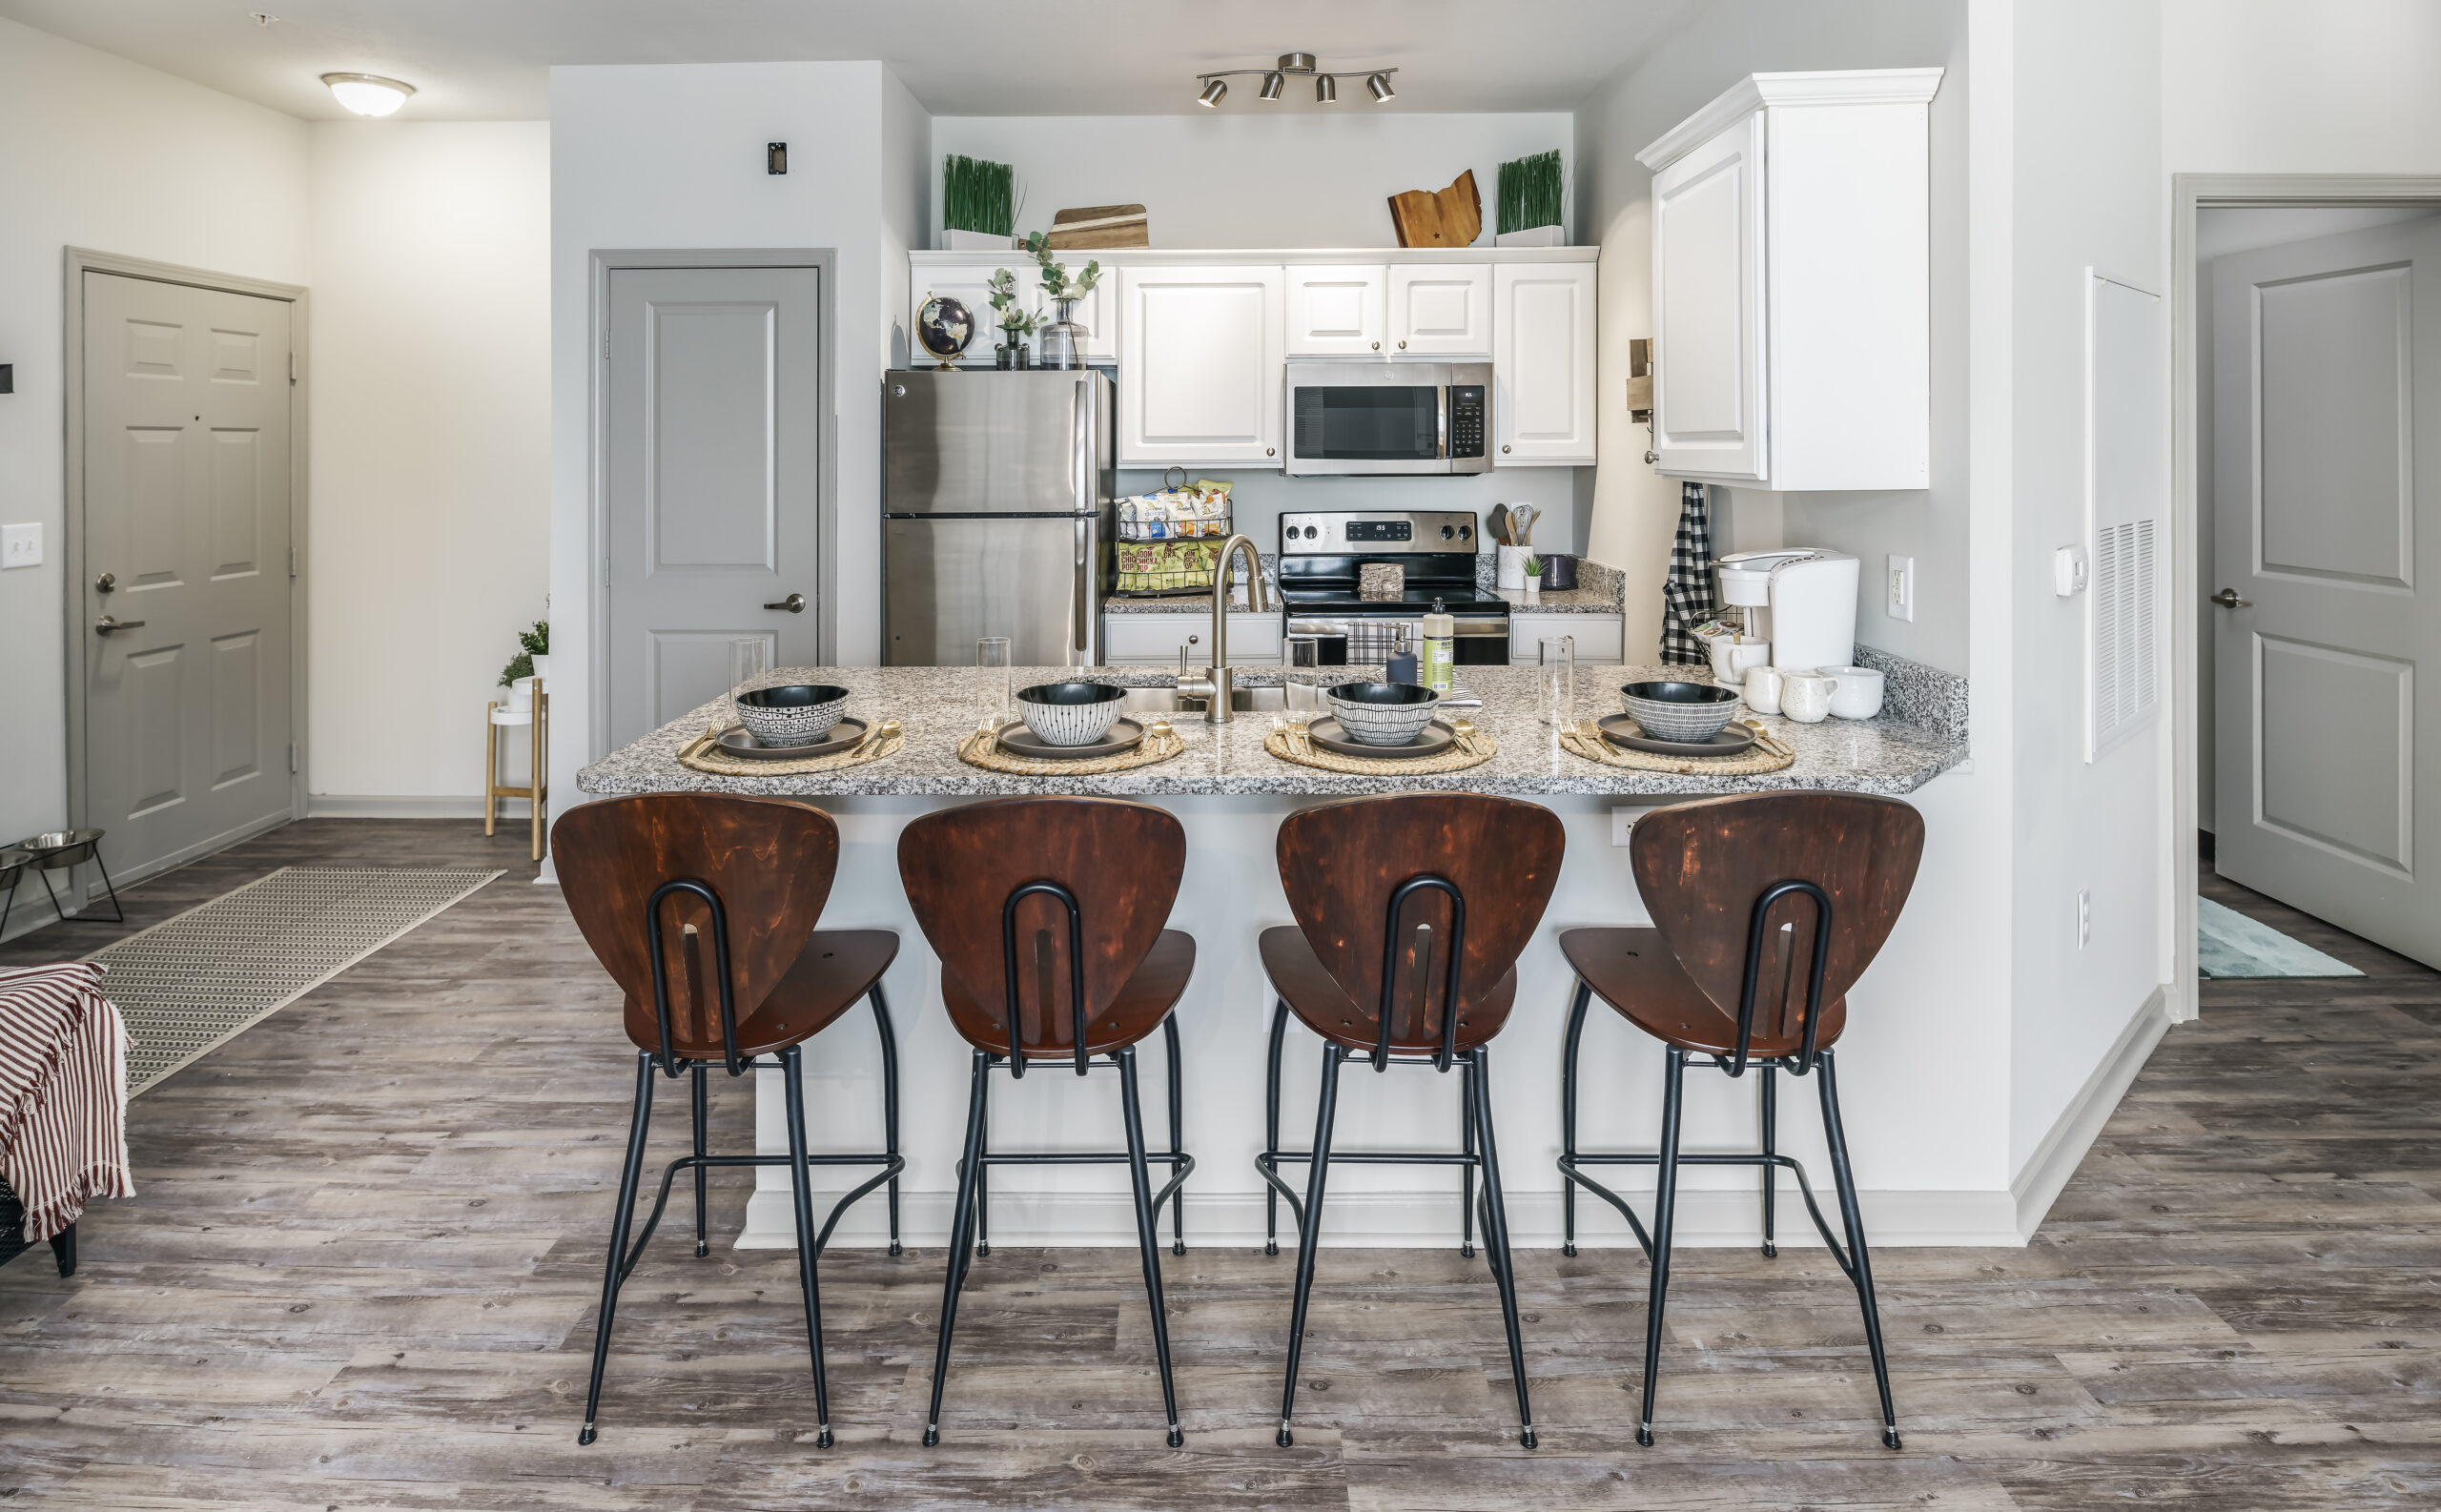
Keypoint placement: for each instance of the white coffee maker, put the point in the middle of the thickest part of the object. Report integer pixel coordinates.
(1807, 599)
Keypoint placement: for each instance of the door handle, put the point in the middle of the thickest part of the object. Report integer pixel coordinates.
(107, 623)
(794, 603)
(2227, 598)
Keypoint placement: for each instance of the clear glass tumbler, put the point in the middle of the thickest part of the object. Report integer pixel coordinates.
(1303, 656)
(749, 657)
(1555, 682)
(992, 688)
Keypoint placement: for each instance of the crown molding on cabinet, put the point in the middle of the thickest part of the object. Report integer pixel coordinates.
(1755, 91)
(1276, 257)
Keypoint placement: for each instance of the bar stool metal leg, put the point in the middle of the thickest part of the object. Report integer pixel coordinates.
(1148, 1224)
(889, 1102)
(1466, 1172)
(1664, 1207)
(702, 1173)
(962, 1238)
(1568, 1114)
(801, 1182)
(984, 1177)
(1859, 1268)
(615, 1270)
(1178, 1136)
(1478, 1089)
(1309, 1234)
(1271, 1127)
(1770, 1095)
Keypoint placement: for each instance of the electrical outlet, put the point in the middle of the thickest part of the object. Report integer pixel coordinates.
(1899, 594)
(1622, 821)
(2084, 917)
(21, 546)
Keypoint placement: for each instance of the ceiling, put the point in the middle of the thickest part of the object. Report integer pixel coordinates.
(489, 59)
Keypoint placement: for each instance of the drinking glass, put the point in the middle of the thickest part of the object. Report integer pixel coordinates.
(1303, 656)
(1555, 682)
(749, 657)
(991, 683)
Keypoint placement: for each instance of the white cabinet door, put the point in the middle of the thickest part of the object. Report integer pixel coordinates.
(1542, 363)
(1441, 309)
(1200, 350)
(1336, 311)
(1600, 640)
(1708, 308)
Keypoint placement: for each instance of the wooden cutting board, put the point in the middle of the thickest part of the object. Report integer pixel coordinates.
(1100, 226)
(1454, 217)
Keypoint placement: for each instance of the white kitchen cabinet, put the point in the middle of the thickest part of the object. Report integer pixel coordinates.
(1791, 283)
(1543, 365)
(1199, 366)
(1601, 641)
(967, 278)
(1441, 309)
(1336, 311)
(1153, 639)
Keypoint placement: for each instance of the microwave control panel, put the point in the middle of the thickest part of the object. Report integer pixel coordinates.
(1466, 420)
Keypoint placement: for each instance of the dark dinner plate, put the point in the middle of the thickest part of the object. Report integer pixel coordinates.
(740, 742)
(1621, 729)
(1327, 734)
(1122, 737)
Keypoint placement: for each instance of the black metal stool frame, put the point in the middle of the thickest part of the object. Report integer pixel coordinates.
(969, 1226)
(790, 1063)
(1477, 1151)
(1851, 1259)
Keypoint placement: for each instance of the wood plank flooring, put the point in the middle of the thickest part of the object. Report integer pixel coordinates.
(363, 1269)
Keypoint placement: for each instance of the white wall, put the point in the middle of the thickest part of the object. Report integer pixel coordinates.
(1240, 176)
(431, 454)
(99, 152)
(2274, 87)
(671, 156)
(1635, 513)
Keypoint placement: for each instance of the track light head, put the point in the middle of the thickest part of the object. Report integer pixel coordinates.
(1380, 85)
(1326, 89)
(1215, 91)
(1272, 85)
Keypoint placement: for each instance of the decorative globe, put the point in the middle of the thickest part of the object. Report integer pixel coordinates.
(945, 327)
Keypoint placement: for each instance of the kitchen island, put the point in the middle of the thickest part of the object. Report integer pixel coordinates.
(1231, 794)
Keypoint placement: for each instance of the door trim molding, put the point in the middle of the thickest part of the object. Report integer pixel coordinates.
(601, 263)
(2189, 193)
(77, 262)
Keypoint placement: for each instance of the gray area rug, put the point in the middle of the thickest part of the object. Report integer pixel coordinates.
(196, 981)
(2231, 945)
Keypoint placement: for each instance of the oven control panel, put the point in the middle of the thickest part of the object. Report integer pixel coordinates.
(1377, 533)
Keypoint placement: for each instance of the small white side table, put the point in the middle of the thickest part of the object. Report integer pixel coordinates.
(536, 789)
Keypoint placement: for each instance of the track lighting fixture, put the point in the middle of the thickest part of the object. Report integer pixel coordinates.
(1380, 85)
(1213, 92)
(1326, 89)
(1275, 80)
(1272, 84)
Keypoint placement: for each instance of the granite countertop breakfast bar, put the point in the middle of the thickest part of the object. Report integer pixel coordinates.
(1886, 754)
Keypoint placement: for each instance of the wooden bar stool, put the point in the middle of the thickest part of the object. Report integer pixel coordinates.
(652, 879)
(1765, 909)
(1047, 915)
(1412, 910)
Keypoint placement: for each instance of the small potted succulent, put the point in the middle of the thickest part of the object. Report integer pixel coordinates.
(1534, 580)
(1014, 320)
(1062, 338)
(979, 206)
(529, 665)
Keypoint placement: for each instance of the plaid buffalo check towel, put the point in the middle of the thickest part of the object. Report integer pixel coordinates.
(1686, 595)
(62, 1094)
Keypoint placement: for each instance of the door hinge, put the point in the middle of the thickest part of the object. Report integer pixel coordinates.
(606, 569)
(292, 563)
(606, 343)
(292, 369)
(292, 758)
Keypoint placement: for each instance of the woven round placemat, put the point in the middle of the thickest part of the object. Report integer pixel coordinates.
(1452, 760)
(1766, 755)
(981, 750)
(702, 756)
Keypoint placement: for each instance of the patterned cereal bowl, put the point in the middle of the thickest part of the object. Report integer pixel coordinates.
(1072, 713)
(1382, 714)
(797, 714)
(1685, 711)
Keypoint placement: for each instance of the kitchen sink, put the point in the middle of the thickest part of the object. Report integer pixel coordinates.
(1169, 701)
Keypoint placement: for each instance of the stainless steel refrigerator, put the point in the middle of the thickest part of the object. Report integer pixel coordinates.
(996, 492)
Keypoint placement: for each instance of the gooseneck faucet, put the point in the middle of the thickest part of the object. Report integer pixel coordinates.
(1214, 688)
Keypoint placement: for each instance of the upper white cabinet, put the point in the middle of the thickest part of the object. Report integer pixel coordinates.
(1199, 366)
(967, 278)
(1441, 309)
(1791, 283)
(1336, 311)
(1542, 355)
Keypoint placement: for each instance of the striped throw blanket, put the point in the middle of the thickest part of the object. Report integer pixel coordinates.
(62, 1094)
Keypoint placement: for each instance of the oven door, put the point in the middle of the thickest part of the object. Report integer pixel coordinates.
(1369, 418)
(1367, 640)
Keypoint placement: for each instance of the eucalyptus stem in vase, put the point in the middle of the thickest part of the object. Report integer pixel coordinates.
(1062, 338)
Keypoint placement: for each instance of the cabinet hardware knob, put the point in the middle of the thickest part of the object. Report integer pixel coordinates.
(1503, 451)
(1376, 346)
(1403, 346)
(1270, 450)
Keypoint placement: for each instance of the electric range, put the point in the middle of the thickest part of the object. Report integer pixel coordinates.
(1321, 561)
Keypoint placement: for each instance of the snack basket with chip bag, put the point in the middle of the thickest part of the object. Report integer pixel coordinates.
(1169, 542)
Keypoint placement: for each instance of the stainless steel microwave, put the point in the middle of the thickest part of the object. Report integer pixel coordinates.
(1395, 417)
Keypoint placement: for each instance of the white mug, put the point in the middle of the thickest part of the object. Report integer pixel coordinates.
(1859, 695)
(1805, 697)
(1763, 686)
(1746, 656)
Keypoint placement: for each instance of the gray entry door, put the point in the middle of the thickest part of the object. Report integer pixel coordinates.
(187, 717)
(2327, 382)
(715, 440)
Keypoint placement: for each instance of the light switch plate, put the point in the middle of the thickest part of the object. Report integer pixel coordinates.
(1899, 594)
(20, 545)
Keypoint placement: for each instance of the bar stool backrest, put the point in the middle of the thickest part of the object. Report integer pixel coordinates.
(769, 863)
(1382, 887)
(1740, 889)
(993, 880)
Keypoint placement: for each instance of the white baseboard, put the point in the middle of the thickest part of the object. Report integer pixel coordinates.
(407, 805)
(1400, 1219)
(2080, 1123)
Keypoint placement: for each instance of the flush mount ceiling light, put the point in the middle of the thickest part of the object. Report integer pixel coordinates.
(1275, 80)
(368, 93)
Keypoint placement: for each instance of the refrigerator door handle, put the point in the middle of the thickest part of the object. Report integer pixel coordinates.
(1081, 592)
(1082, 455)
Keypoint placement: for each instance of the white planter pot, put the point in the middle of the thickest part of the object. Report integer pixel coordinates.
(1533, 590)
(543, 670)
(1533, 236)
(521, 696)
(974, 241)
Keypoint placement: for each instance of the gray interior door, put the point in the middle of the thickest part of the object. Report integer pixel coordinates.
(2327, 379)
(716, 437)
(187, 718)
